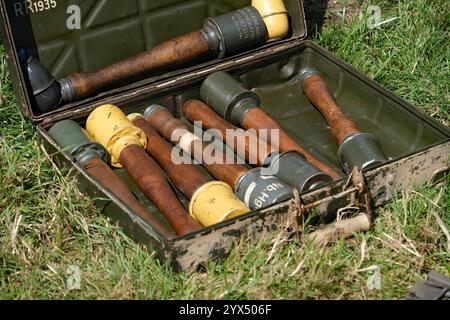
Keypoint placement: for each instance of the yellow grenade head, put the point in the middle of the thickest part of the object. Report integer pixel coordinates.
(275, 16)
(110, 127)
(215, 202)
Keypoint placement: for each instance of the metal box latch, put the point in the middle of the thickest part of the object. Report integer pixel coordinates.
(350, 219)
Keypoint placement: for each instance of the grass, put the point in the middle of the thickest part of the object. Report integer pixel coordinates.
(47, 225)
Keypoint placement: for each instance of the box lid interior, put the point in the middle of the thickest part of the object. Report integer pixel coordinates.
(111, 31)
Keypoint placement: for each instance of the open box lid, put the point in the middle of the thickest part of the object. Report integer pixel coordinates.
(110, 31)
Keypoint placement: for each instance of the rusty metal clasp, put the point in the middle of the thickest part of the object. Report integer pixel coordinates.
(359, 207)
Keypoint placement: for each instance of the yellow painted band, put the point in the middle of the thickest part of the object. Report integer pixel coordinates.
(215, 202)
(275, 16)
(110, 127)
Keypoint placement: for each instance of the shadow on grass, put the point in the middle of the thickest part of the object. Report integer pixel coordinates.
(315, 12)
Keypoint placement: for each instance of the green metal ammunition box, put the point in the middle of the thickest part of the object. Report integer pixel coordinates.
(418, 147)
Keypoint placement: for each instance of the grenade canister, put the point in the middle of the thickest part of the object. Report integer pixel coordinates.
(215, 202)
(293, 169)
(260, 191)
(75, 140)
(111, 128)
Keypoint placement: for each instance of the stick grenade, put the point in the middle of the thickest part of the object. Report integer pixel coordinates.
(211, 202)
(93, 157)
(230, 99)
(244, 29)
(109, 126)
(356, 148)
(245, 143)
(289, 167)
(253, 187)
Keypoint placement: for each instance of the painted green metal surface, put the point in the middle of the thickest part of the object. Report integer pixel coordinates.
(111, 30)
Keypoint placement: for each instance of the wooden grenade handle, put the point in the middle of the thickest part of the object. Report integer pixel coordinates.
(320, 95)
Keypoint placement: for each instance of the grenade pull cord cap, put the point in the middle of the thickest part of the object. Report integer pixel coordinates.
(110, 127)
(275, 16)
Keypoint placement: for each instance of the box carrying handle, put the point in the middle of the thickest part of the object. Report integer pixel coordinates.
(360, 204)
(439, 175)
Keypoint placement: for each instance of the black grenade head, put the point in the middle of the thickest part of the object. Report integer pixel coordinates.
(46, 90)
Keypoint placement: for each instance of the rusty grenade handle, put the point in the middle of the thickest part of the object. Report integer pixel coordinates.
(171, 53)
(356, 149)
(321, 96)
